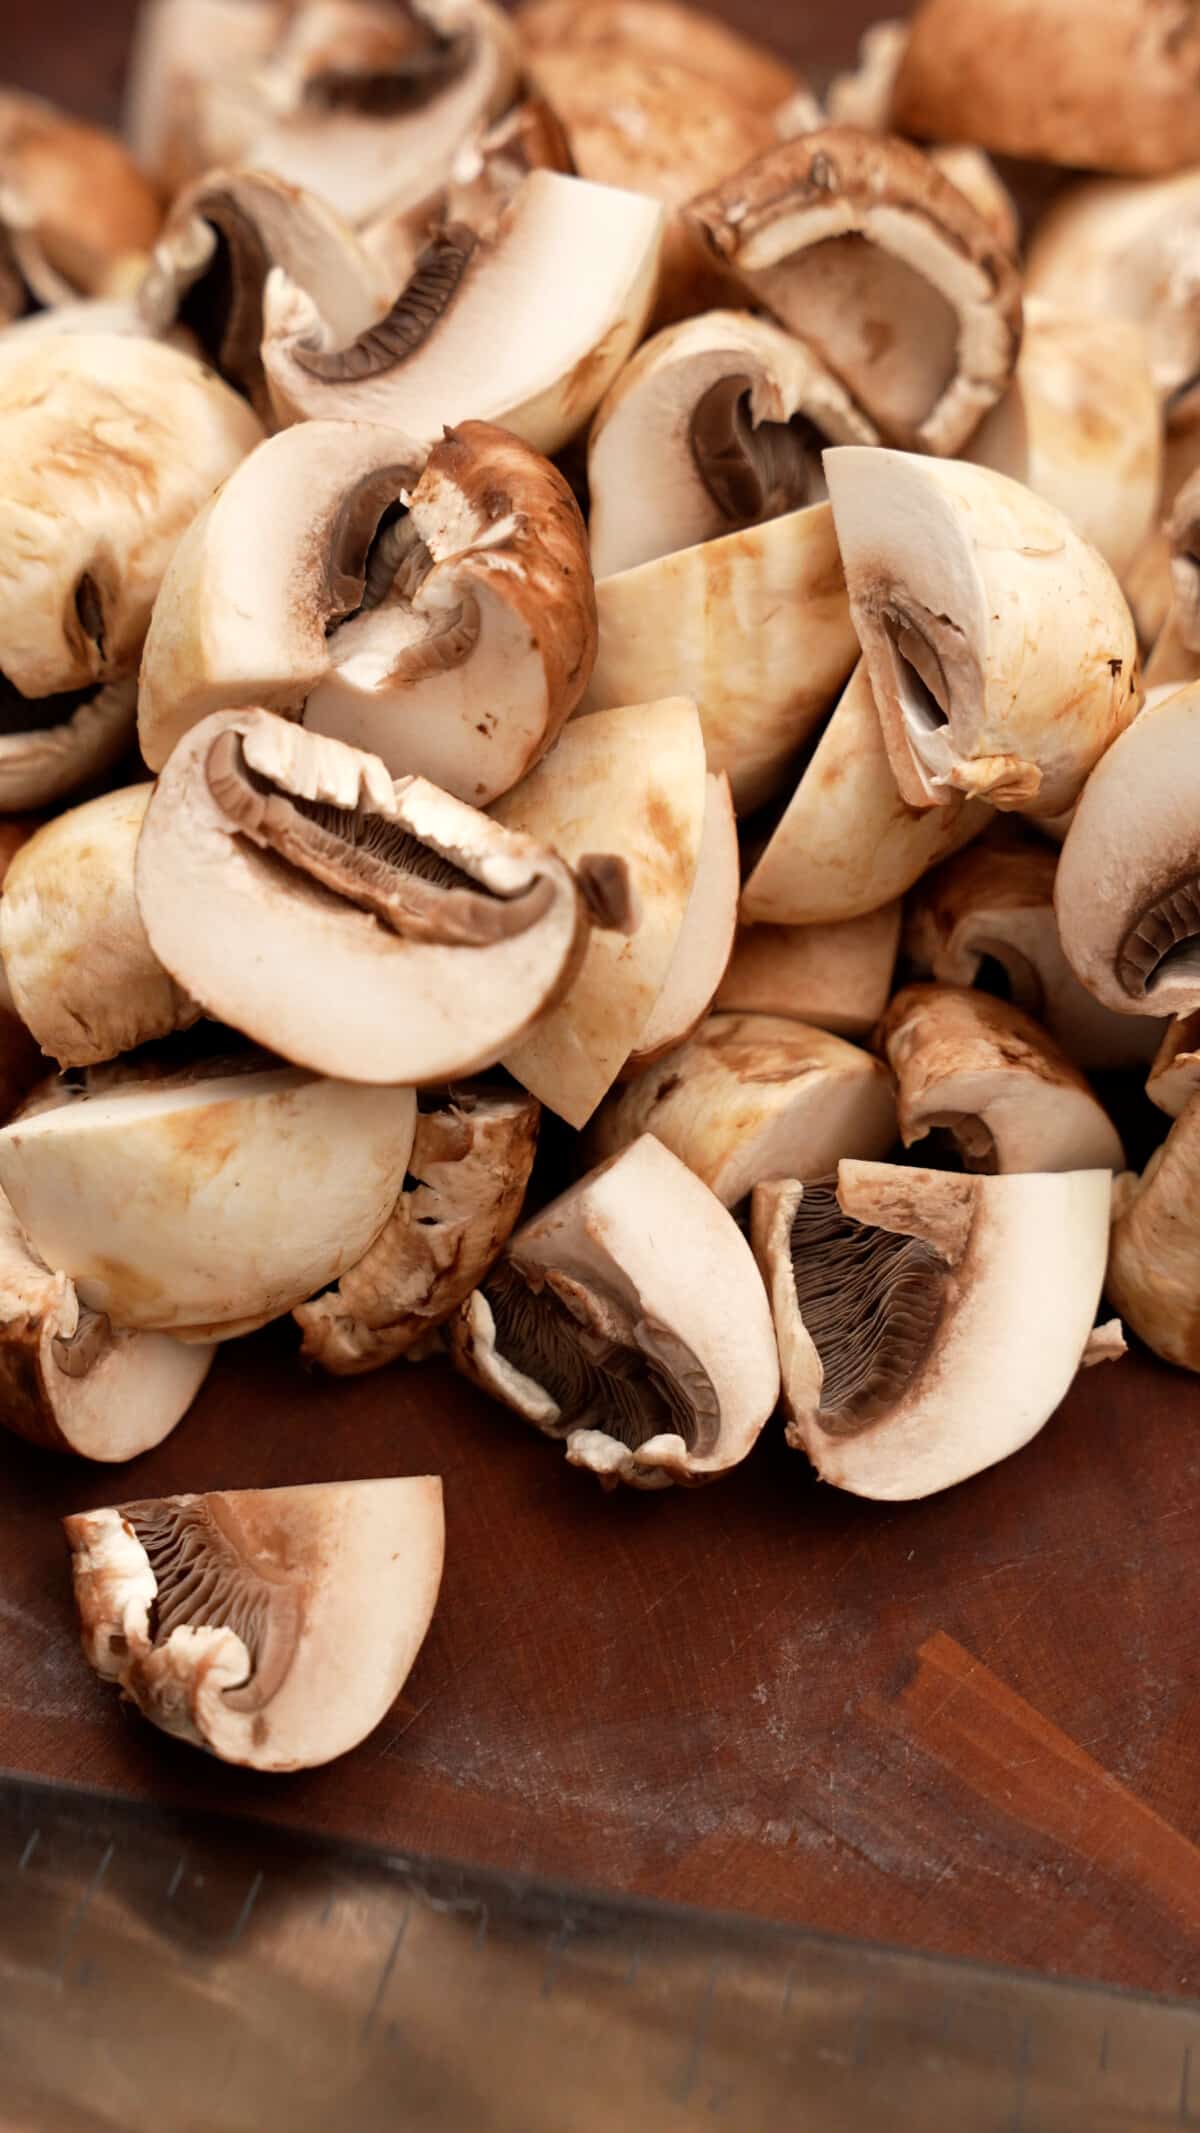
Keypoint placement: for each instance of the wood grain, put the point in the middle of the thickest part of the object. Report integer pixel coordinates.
(970, 1725)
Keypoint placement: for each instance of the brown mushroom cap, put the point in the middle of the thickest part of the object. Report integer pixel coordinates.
(660, 30)
(74, 191)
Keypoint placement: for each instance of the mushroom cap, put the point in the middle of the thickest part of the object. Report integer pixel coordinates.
(847, 844)
(752, 1097)
(1127, 896)
(108, 448)
(755, 627)
(1155, 1246)
(470, 1164)
(640, 1247)
(987, 1337)
(975, 174)
(1080, 425)
(705, 938)
(1000, 648)
(177, 46)
(91, 731)
(273, 1627)
(79, 966)
(493, 352)
(1174, 1075)
(211, 1202)
(265, 916)
(660, 29)
(703, 394)
(1090, 84)
(631, 781)
(984, 1071)
(74, 189)
(1127, 248)
(836, 976)
(842, 229)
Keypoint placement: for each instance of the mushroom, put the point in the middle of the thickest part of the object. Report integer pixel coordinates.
(210, 1199)
(1127, 893)
(179, 47)
(836, 977)
(467, 1175)
(715, 424)
(93, 314)
(374, 931)
(858, 244)
(72, 1382)
(1184, 534)
(1001, 651)
(438, 612)
(1080, 425)
(705, 939)
(79, 967)
(1111, 249)
(752, 1097)
(983, 1073)
(86, 732)
(660, 30)
(986, 918)
(1174, 1075)
(847, 844)
(273, 1627)
(598, 1326)
(73, 207)
(629, 781)
(1091, 84)
(223, 237)
(1172, 664)
(472, 335)
(1155, 1246)
(928, 1324)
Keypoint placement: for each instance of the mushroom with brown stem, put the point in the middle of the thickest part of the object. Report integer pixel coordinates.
(470, 1164)
(273, 1627)
(205, 1200)
(928, 1324)
(837, 976)
(437, 611)
(1155, 1245)
(374, 931)
(598, 1326)
(751, 1097)
(859, 245)
(705, 940)
(74, 208)
(982, 1072)
(1002, 654)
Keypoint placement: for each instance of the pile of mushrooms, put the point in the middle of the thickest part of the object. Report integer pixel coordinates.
(545, 571)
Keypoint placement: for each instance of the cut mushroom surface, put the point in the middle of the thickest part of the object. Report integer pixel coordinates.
(858, 244)
(928, 1324)
(705, 939)
(751, 1097)
(375, 931)
(471, 335)
(1000, 648)
(598, 1326)
(273, 1627)
(1184, 532)
(837, 977)
(179, 47)
(73, 207)
(981, 1072)
(1154, 1256)
(471, 1158)
(210, 1201)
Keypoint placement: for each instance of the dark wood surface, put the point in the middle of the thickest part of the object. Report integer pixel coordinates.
(970, 1725)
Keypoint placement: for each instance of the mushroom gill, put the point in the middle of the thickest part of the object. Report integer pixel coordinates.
(753, 471)
(424, 300)
(412, 888)
(1163, 942)
(870, 1299)
(224, 305)
(208, 1576)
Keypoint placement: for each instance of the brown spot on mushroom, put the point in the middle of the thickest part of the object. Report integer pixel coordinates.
(871, 1301)
(210, 1576)
(607, 889)
(753, 471)
(426, 297)
(79, 1353)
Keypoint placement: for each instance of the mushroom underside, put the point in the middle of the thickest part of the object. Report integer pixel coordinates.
(424, 300)
(754, 471)
(207, 1577)
(870, 1300)
(1163, 942)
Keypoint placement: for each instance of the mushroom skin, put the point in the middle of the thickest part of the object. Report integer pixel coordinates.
(857, 243)
(1000, 648)
(467, 1175)
(1155, 1243)
(751, 1097)
(597, 1326)
(836, 977)
(1174, 1075)
(73, 203)
(272, 1627)
(660, 30)
(896, 1295)
(79, 967)
(983, 1072)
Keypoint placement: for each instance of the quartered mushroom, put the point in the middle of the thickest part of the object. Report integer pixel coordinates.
(78, 964)
(69, 1379)
(471, 1159)
(375, 931)
(74, 209)
(837, 977)
(980, 1072)
(633, 782)
(1081, 426)
(847, 843)
(1000, 648)
(1154, 1255)
(273, 1627)
(207, 1199)
(472, 334)
(858, 244)
(928, 1324)
(715, 424)
(986, 918)
(179, 48)
(598, 1326)
(705, 940)
(1174, 1075)
(752, 1097)
(438, 612)
(1090, 84)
